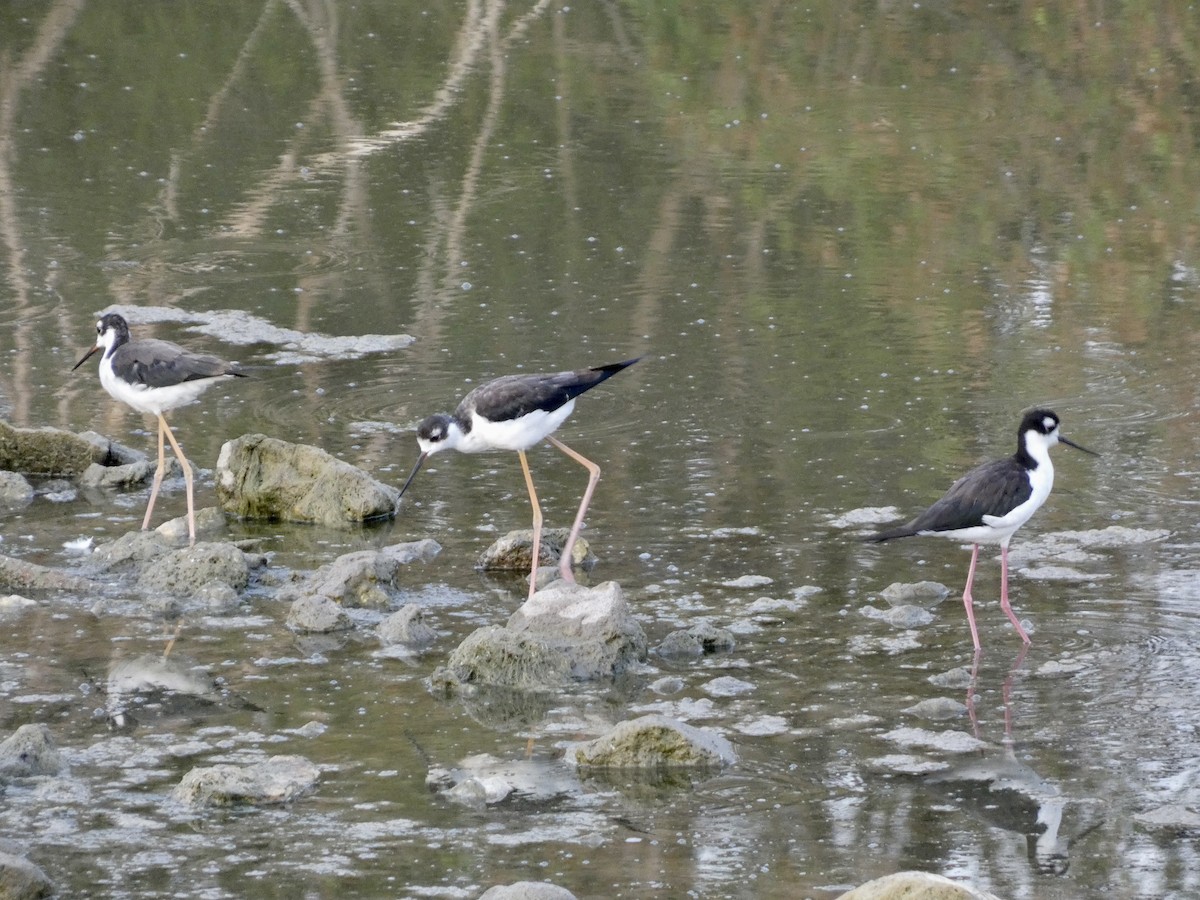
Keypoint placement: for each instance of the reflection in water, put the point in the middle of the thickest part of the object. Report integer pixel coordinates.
(1008, 793)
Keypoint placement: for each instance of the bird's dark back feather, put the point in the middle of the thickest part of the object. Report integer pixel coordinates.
(161, 364)
(512, 396)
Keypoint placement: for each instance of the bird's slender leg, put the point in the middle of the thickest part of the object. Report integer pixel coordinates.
(564, 564)
(967, 601)
(537, 523)
(1004, 604)
(187, 477)
(158, 473)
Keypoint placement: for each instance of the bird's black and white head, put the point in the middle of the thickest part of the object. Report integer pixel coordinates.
(434, 434)
(1039, 432)
(111, 332)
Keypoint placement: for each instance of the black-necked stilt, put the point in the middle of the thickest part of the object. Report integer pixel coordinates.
(153, 377)
(514, 413)
(989, 503)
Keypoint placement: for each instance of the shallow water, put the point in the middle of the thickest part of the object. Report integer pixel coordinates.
(851, 246)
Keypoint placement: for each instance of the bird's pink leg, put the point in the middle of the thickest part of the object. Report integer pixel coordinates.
(537, 523)
(1004, 604)
(158, 473)
(967, 601)
(564, 565)
(187, 478)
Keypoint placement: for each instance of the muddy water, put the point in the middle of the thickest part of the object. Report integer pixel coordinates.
(851, 246)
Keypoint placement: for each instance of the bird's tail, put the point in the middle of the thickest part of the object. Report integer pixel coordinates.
(890, 535)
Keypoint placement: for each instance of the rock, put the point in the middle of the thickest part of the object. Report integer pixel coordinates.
(654, 742)
(944, 741)
(29, 751)
(364, 578)
(915, 886)
(514, 551)
(527, 890)
(1171, 817)
(920, 593)
(22, 880)
(907, 616)
(938, 708)
(130, 551)
(727, 686)
(317, 615)
(697, 640)
(181, 573)
(110, 454)
(15, 603)
(565, 633)
(280, 779)
(43, 451)
(749, 581)
(210, 524)
(15, 491)
(263, 478)
(20, 575)
(406, 626)
(98, 476)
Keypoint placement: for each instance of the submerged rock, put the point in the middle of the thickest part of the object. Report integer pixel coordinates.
(484, 780)
(527, 890)
(15, 491)
(365, 577)
(565, 633)
(654, 742)
(182, 573)
(514, 551)
(30, 750)
(21, 575)
(919, 593)
(280, 779)
(696, 640)
(915, 886)
(317, 615)
(43, 451)
(263, 478)
(406, 626)
(148, 687)
(130, 551)
(21, 879)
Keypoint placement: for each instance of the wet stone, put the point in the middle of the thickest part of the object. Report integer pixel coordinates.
(943, 741)
(130, 551)
(21, 575)
(183, 572)
(406, 626)
(514, 552)
(727, 686)
(900, 616)
(365, 578)
(21, 879)
(29, 751)
(263, 478)
(912, 885)
(696, 640)
(15, 491)
(938, 708)
(565, 633)
(43, 451)
(280, 779)
(1170, 817)
(748, 581)
(653, 742)
(527, 890)
(952, 678)
(920, 593)
(317, 615)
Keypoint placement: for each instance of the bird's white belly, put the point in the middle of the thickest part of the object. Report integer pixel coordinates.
(513, 434)
(156, 401)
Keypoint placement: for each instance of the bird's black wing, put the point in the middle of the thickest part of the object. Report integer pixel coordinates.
(513, 396)
(993, 489)
(162, 364)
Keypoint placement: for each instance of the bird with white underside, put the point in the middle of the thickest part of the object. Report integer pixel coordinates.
(989, 504)
(516, 412)
(155, 377)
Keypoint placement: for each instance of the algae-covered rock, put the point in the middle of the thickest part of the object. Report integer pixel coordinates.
(263, 478)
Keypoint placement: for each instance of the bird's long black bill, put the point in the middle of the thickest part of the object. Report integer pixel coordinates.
(86, 357)
(1069, 443)
(416, 469)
